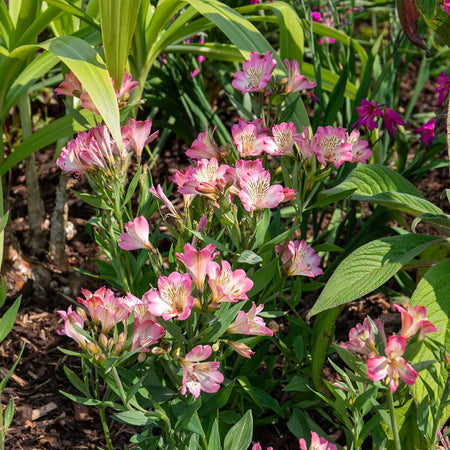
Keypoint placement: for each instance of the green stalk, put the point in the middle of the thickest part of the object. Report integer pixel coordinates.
(439, 414)
(118, 381)
(105, 428)
(390, 398)
(2, 426)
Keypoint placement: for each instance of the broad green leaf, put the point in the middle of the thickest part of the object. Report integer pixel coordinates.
(8, 319)
(6, 25)
(433, 292)
(263, 399)
(368, 267)
(442, 220)
(240, 435)
(214, 437)
(136, 418)
(118, 20)
(336, 99)
(249, 257)
(76, 381)
(215, 402)
(9, 413)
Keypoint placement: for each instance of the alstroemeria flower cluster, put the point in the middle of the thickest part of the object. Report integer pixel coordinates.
(391, 367)
(105, 312)
(71, 86)
(317, 443)
(299, 259)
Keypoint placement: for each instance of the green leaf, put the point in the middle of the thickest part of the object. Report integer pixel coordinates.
(9, 413)
(214, 437)
(136, 418)
(368, 267)
(249, 257)
(240, 435)
(93, 200)
(76, 381)
(332, 198)
(187, 419)
(336, 99)
(433, 292)
(11, 370)
(263, 225)
(118, 20)
(8, 319)
(298, 383)
(217, 401)
(442, 220)
(260, 397)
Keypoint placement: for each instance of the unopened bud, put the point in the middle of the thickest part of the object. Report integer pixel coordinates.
(81, 312)
(100, 357)
(93, 349)
(141, 357)
(215, 347)
(197, 303)
(447, 361)
(158, 351)
(103, 340)
(122, 338)
(213, 306)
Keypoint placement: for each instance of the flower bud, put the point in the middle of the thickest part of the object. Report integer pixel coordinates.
(215, 347)
(197, 303)
(447, 361)
(103, 340)
(158, 351)
(141, 357)
(93, 349)
(80, 311)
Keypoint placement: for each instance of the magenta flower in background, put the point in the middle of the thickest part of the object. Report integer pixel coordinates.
(250, 323)
(414, 320)
(203, 146)
(197, 262)
(227, 285)
(200, 376)
(367, 113)
(392, 120)
(361, 339)
(427, 131)
(392, 367)
(331, 146)
(136, 135)
(442, 88)
(296, 82)
(136, 235)
(317, 443)
(299, 259)
(256, 73)
(173, 298)
(71, 318)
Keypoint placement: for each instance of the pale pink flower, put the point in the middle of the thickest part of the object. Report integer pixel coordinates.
(360, 148)
(361, 339)
(200, 228)
(227, 285)
(101, 145)
(200, 376)
(249, 138)
(296, 82)
(136, 135)
(250, 323)
(173, 297)
(71, 318)
(105, 308)
(444, 440)
(299, 259)
(255, 74)
(284, 136)
(330, 145)
(70, 158)
(70, 86)
(136, 235)
(241, 349)
(147, 331)
(289, 194)
(317, 443)
(125, 88)
(87, 103)
(197, 262)
(392, 366)
(159, 193)
(305, 146)
(203, 146)
(257, 193)
(208, 178)
(414, 320)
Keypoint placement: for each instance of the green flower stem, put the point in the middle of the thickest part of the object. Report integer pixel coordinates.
(105, 428)
(119, 385)
(439, 414)
(390, 399)
(2, 429)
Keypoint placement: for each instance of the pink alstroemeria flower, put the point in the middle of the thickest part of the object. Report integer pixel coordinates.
(241, 349)
(136, 235)
(367, 113)
(227, 285)
(159, 193)
(444, 440)
(104, 307)
(197, 262)
(249, 323)
(427, 131)
(361, 339)
(126, 87)
(442, 88)
(305, 146)
(257, 193)
(299, 259)
(70, 86)
(317, 443)
(136, 135)
(360, 148)
(249, 137)
(256, 73)
(331, 146)
(392, 120)
(71, 318)
(296, 82)
(173, 298)
(203, 146)
(392, 366)
(257, 446)
(284, 137)
(200, 376)
(414, 320)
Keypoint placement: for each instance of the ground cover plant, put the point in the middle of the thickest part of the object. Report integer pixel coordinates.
(211, 316)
